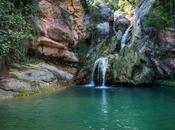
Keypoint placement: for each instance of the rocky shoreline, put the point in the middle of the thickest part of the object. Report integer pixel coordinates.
(75, 33)
(30, 79)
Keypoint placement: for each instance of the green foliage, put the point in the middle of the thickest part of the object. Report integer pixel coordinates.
(162, 15)
(81, 49)
(156, 19)
(93, 10)
(128, 6)
(13, 29)
(132, 66)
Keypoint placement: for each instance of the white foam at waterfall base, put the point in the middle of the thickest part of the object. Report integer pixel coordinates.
(102, 64)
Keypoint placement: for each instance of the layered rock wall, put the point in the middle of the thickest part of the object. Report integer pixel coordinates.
(60, 24)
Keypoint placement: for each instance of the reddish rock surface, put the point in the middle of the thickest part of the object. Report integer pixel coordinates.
(60, 25)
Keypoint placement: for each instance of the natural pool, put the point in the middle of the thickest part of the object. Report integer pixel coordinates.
(80, 108)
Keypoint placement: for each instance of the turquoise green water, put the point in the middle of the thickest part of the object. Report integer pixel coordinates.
(92, 109)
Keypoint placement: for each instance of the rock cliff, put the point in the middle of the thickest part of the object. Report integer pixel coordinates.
(61, 25)
(148, 53)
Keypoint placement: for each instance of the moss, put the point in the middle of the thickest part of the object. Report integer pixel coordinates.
(166, 82)
(43, 91)
(33, 60)
(22, 92)
(132, 66)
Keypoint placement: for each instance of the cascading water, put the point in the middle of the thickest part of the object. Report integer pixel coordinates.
(136, 19)
(101, 65)
(125, 36)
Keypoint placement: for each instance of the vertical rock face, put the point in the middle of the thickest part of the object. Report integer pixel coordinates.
(61, 26)
(163, 60)
(149, 54)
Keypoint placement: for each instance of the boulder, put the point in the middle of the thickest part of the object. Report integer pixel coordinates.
(64, 55)
(106, 12)
(103, 29)
(121, 23)
(32, 77)
(5, 94)
(60, 34)
(49, 47)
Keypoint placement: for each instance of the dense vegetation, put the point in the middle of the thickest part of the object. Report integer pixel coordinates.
(14, 27)
(127, 6)
(163, 14)
(15, 22)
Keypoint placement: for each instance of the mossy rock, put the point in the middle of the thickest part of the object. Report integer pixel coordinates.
(105, 48)
(131, 66)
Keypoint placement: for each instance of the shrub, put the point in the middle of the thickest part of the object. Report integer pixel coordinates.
(156, 19)
(13, 29)
(162, 15)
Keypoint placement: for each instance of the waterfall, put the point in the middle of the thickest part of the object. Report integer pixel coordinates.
(125, 36)
(101, 65)
(136, 19)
